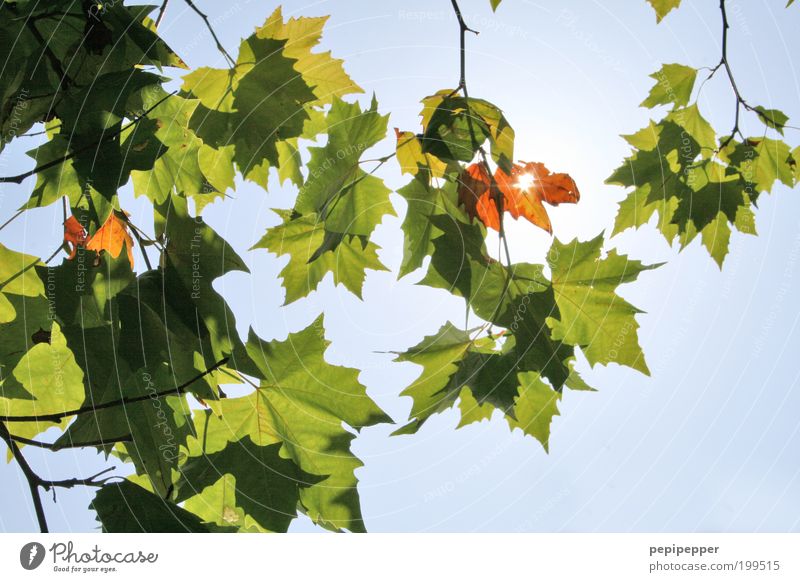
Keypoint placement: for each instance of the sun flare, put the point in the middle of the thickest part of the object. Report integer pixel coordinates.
(525, 181)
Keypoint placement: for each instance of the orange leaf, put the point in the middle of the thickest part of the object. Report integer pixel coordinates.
(520, 202)
(110, 237)
(554, 189)
(524, 190)
(74, 235)
(474, 192)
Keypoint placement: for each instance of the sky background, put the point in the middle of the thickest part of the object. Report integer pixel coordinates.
(710, 442)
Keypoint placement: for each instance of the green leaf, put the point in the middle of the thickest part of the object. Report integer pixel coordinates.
(449, 131)
(592, 315)
(716, 237)
(302, 402)
(320, 71)
(177, 169)
(535, 408)
(495, 4)
(313, 253)
(772, 118)
(92, 119)
(673, 176)
(690, 119)
(50, 376)
(244, 482)
(253, 106)
(158, 427)
(711, 190)
(471, 410)
(17, 277)
(481, 378)
(440, 356)
(128, 508)
(763, 162)
(195, 257)
(501, 134)
(674, 84)
(348, 199)
(424, 201)
(56, 181)
(663, 7)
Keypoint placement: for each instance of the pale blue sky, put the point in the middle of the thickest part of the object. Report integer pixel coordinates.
(709, 443)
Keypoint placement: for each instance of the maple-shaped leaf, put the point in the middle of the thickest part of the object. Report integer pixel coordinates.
(523, 190)
(128, 507)
(591, 312)
(302, 402)
(474, 193)
(111, 236)
(74, 235)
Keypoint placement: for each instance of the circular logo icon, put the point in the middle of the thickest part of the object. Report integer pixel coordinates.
(31, 555)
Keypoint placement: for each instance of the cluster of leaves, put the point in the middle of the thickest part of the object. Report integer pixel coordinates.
(520, 359)
(134, 362)
(692, 179)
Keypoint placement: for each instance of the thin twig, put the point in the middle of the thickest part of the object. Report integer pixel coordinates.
(740, 100)
(161, 12)
(29, 267)
(57, 447)
(13, 218)
(38, 133)
(142, 248)
(92, 481)
(220, 48)
(57, 416)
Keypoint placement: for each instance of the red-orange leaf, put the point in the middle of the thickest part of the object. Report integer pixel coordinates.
(524, 190)
(74, 235)
(474, 192)
(554, 189)
(520, 201)
(110, 237)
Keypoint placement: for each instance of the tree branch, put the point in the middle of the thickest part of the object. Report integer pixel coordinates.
(740, 100)
(56, 417)
(495, 193)
(33, 479)
(52, 163)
